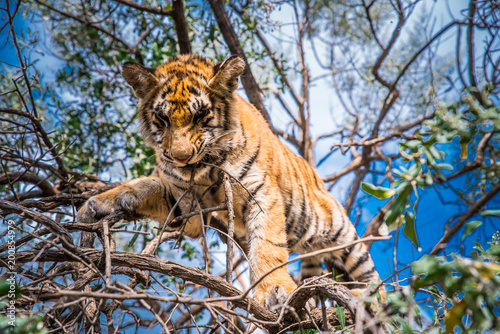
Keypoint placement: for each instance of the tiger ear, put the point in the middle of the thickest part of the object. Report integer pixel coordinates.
(226, 74)
(141, 78)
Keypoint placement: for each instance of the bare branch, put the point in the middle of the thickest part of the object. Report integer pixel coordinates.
(248, 80)
(29, 177)
(473, 209)
(181, 26)
(112, 35)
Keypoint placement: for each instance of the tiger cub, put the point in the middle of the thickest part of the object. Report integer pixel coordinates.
(199, 127)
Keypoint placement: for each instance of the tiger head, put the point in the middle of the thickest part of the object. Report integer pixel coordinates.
(185, 106)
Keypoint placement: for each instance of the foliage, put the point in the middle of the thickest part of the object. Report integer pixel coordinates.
(471, 288)
(454, 291)
(17, 324)
(468, 122)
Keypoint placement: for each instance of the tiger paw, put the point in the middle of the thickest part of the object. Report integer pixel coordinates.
(107, 203)
(276, 296)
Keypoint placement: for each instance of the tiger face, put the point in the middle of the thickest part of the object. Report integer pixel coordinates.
(184, 107)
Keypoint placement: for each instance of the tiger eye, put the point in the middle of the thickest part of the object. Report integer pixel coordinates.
(163, 118)
(202, 113)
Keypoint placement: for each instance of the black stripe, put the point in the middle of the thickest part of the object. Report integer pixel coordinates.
(337, 234)
(313, 222)
(215, 186)
(291, 223)
(212, 101)
(226, 123)
(248, 164)
(159, 125)
(309, 265)
(181, 72)
(366, 275)
(172, 175)
(362, 259)
(250, 199)
(274, 243)
(346, 253)
(207, 120)
(341, 213)
(211, 175)
(244, 135)
(288, 207)
(213, 126)
(300, 218)
(179, 187)
(177, 210)
(301, 231)
(299, 226)
(193, 90)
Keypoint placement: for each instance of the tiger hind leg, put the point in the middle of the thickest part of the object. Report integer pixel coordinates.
(310, 267)
(354, 264)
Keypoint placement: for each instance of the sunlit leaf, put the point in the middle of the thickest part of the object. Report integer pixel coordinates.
(399, 204)
(454, 316)
(470, 227)
(490, 213)
(445, 166)
(463, 153)
(378, 192)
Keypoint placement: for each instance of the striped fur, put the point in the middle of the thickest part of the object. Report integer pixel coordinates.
(198, 126)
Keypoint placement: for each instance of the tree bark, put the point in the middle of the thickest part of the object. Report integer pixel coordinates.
(251, 87)
(181, 27)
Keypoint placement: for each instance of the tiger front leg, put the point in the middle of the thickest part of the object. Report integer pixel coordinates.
(139, 197)
(268, 248)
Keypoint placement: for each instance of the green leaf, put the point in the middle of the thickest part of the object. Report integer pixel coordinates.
(445, 166)
(478, 247)
(437, 154)
(470, 227)
(454, 316)
(490, 213)
(378, 192)
(428, 179)
(409, 229)
(399, 204)
(412, 144)
(341, 316)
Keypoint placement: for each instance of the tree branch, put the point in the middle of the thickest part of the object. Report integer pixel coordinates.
(114, 37)
(181, 26)
(248, 80)
(42, 183)
(474, 208)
